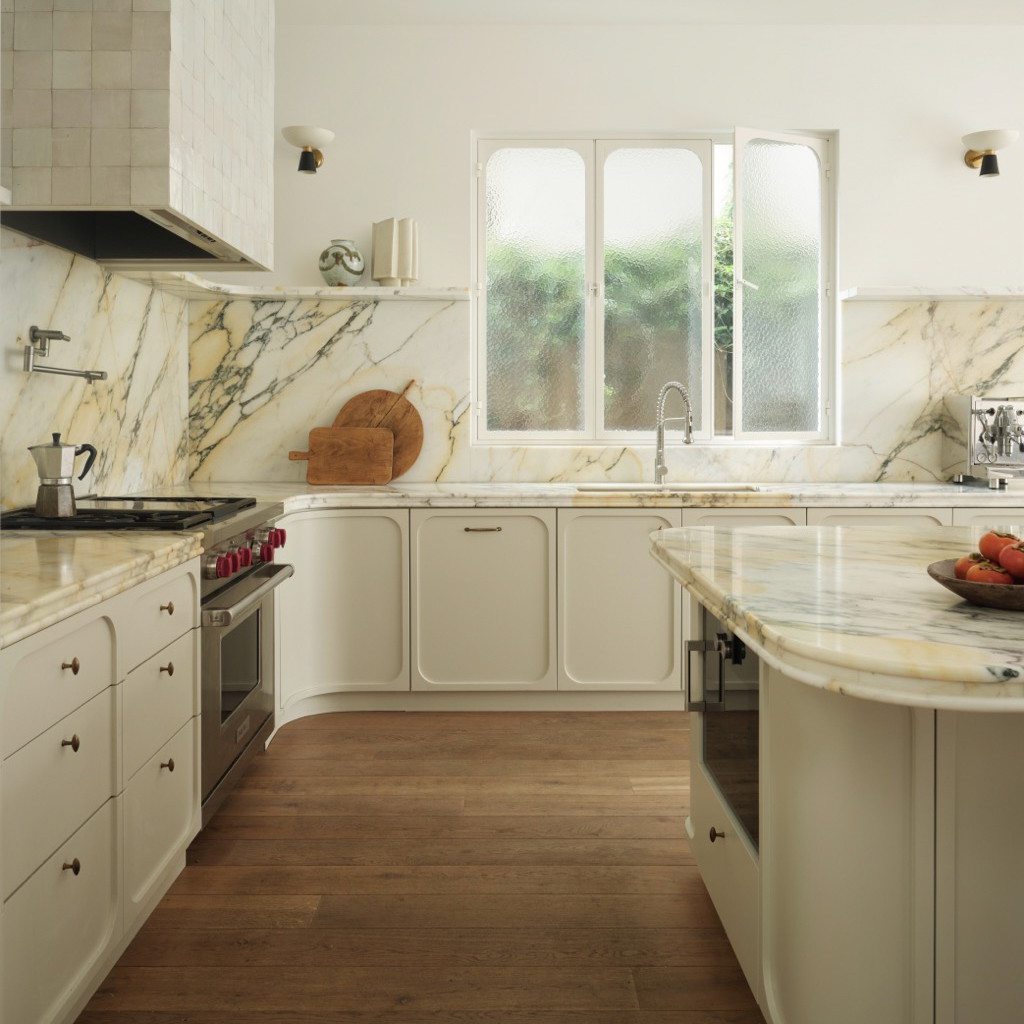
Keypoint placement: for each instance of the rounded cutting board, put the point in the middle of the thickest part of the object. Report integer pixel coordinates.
(380, 408)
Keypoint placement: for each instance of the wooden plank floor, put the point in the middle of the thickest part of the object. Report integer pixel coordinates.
(390, 868)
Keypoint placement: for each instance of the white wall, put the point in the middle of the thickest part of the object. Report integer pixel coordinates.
(404, 100)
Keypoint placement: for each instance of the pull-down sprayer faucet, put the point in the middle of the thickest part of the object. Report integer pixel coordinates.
(660, 469)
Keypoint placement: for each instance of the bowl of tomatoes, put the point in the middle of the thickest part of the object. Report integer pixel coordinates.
(992, 576)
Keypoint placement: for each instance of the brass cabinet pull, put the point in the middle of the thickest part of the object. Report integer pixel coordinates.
(74, 664)
(169, 607)
(482, 529)
(168, 668)
(74, 743)
(74, 867)
(168, 764)
(715, 834)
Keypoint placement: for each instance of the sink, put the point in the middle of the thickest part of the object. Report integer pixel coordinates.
(676, 487)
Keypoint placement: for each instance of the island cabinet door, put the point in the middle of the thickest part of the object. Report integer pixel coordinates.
(847, 858)
(343, 618)
(618, 610)
(483, 599)
(729, 517)
(979, 947)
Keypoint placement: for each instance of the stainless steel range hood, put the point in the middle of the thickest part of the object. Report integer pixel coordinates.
(129, 239)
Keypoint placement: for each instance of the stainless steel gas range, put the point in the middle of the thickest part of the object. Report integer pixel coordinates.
(240, 574)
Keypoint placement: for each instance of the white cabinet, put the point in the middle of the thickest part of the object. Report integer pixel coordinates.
(618, 610)
(1005, 519)
(908, 516)
(744, 517)
(979, 921)
(344, 617)
(483, 599)
(77, 725)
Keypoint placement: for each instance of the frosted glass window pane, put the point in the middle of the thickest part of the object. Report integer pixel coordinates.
(653, 253)
(535, 237)
(781, 327)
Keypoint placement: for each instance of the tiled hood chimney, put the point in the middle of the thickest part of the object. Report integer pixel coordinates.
(140, 132)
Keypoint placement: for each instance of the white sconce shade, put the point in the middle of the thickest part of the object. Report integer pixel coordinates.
(309, 139)
(982, 146)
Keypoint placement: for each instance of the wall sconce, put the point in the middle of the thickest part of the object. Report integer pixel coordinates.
(982, 146)
(309, 139)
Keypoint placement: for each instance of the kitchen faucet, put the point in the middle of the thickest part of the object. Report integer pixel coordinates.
(660, 469)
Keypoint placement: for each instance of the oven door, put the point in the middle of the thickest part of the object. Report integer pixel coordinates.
(238, 684)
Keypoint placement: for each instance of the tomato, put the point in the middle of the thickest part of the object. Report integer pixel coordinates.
(988, 572)
(963, 564)
(991, 543)
(1011, 558)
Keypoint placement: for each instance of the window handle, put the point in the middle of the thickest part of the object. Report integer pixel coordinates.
(748, 284)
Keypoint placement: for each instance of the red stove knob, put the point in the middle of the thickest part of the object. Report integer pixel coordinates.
(274, 538)
(282, 536)
(245, 557)
(235, 561)
(223, 566)
(266, 552)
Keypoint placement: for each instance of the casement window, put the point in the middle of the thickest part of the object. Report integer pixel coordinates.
(608, 266)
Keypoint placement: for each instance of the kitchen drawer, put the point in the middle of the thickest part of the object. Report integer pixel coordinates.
(159, 698)
(47, 676)
(154, 613)
(50, 787)
(160, 815)
(59, 926)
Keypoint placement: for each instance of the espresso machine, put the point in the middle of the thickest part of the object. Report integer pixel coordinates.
(984, 439)
(55, 463)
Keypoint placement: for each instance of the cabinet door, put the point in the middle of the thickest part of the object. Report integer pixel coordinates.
(744, 517)
(159, 818)
(1006, 519)
(979, 906)
(618, 610)
(911, 516)
(344, 614)
(59, 927)
(483, 587)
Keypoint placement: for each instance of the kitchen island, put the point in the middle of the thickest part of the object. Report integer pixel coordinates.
(885, 882)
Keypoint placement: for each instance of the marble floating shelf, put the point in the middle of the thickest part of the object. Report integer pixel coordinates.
(192, 286)
(947, 293)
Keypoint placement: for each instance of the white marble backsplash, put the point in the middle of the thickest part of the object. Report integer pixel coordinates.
(265, 371)
(136, 418)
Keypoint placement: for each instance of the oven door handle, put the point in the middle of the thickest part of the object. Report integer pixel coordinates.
(273, 576)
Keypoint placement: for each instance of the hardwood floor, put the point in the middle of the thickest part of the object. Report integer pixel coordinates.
(390, 868)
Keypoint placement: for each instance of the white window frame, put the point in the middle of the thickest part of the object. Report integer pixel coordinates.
(594, 434)
(826, 312)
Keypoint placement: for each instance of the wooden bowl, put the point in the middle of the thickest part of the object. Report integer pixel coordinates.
(1009, 596)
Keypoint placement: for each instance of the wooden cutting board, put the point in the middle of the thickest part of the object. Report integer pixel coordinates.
(380, 408)
(348, 455)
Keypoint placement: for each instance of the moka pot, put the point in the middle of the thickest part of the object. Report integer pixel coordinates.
(55, 464)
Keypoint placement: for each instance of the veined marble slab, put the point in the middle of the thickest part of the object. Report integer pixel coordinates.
(265, 371)
(852, 610)
(49, 576)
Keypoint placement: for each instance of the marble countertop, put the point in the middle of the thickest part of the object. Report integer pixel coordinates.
(852, 609)
(46, 577)
(299, 496)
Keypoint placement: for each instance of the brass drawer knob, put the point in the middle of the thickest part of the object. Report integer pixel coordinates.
(74, 867)
(168, 668)
(74, 664)
(74, 743)
(715, 834)
(169, 607)
(168, 764)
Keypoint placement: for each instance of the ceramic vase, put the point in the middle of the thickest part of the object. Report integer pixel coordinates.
(341, 263)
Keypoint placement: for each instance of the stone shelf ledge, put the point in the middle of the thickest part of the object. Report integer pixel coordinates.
(921, 293)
